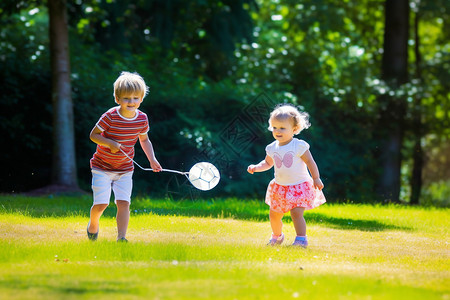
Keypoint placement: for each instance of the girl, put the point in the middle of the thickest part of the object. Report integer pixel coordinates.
(293, 189)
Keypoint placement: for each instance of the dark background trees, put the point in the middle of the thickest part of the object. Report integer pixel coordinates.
(394, 71)
(214, 67)
(64, 170)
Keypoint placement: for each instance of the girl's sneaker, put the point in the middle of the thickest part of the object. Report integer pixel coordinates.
(300, 241)
(276, 241)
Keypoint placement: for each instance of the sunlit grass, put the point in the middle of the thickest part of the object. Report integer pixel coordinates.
(216, 249)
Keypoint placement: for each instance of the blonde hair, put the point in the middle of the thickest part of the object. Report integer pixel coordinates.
(288, 111)
(130, 83)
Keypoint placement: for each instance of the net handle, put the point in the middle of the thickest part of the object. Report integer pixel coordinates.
(150, 169)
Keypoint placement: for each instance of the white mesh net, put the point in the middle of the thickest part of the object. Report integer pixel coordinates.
(204, 176)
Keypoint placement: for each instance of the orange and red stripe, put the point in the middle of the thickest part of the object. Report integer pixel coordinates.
(124, 131)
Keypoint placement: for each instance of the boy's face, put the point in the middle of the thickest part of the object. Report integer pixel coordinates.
(129, 104)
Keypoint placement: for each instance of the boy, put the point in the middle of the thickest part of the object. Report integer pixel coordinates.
(117, 132)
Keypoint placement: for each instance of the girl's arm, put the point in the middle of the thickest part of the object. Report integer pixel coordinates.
(264, 165)
(96, 137)
(148, 149)
(313, 169)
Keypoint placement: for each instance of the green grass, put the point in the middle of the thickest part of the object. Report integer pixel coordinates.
(216, 249)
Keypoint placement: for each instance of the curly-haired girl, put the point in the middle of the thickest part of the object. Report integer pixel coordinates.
(293, 188)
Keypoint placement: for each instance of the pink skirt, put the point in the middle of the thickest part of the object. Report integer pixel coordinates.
(283, 198)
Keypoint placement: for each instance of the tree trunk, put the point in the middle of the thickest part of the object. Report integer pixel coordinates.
(395, 72)
(64, 166)
(416, 177)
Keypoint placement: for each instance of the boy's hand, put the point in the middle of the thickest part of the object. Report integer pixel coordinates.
(251, 169)
(155, 166)
(318, 183)
(114, 146)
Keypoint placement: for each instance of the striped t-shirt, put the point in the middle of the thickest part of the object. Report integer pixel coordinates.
(124, 131)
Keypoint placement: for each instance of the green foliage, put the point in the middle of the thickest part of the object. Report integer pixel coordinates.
(25, 118)
(437, 194)
(209, 64)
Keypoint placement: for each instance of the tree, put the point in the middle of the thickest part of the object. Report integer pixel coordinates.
(429, 123)
(204, 32)
(416, 176)
(64, 165)
(323, 55)
(395, 72)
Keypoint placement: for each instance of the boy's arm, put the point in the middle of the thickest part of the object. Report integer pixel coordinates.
(148, 149)
(264, 165)
(313, 169)
(96, 137)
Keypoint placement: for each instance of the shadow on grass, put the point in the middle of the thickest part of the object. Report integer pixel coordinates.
(28, 282)
(251, 211)
(49, 206)
(40, 207)
(350, 224)
(263, 216)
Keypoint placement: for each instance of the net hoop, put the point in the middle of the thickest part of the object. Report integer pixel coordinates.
(204, 176)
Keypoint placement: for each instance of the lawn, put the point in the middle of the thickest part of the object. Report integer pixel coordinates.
(217, 249)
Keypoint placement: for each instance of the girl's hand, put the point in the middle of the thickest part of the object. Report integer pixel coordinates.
(264, 165)
(318, 183)
(251, 169)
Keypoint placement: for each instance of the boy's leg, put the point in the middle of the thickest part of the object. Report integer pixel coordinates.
(122, 188)
(96, 212)
(275, 222)
(122, 217)
(299, 221)
(101, 188)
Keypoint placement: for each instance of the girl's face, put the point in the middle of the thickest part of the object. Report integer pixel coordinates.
(283, 130)
(129, 104)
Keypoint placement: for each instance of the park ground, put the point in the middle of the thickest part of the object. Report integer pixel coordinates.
(216, 249)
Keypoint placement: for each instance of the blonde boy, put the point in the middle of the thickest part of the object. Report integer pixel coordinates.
(116, 133)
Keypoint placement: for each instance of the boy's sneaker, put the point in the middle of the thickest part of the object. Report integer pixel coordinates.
(122, 240)
(91, 236)
(276, 241)
(301, 241)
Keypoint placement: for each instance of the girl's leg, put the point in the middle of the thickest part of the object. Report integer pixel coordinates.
(276, 222)
(96, 212)
(299, 221)
(122, 217)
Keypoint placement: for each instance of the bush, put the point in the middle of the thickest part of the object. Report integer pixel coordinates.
(436, 194)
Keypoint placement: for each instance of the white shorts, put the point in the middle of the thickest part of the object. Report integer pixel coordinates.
(103, 182)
